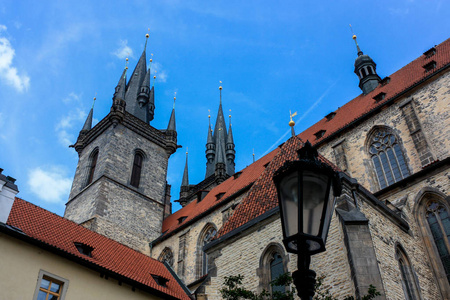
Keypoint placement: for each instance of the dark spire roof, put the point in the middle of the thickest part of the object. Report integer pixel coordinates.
(230, 135)
(88, 124)
(210, 137)
(185, 181)
(172, 126)
(365, 69)
(121, 86)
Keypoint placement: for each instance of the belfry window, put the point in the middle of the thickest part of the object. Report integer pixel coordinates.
(387, 158)
(439, 223)
(92, 166)
(137, 168)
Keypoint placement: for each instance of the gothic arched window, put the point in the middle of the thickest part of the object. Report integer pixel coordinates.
(387, 157)
(409, 283)
(439, 223)
(92, 165)
(166, 256)
(137, 168)
(432, 213)
(208, 233)
(273, 263)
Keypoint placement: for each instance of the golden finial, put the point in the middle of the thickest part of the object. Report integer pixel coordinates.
(209, 113)
(187, 150)
(229, 116)
(147, 35)
(95, 98)
(154, 78)
(253, 154)
(146, 39)
(151, 58)
(126, 63)
(291, 122)
(356, 42)
(220, 87)
(174, 98)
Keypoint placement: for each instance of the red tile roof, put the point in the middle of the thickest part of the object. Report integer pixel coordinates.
(262, 195)
(60, 233)
(230, 187)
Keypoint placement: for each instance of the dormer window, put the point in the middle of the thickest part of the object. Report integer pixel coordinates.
(379, 96)
(160, 280)
(430, 66)
(84, 249)
(319, 133)
(330, 116)
(385, 80)
(429, 53)
(181, 219)
(219, 195)
(236, 175)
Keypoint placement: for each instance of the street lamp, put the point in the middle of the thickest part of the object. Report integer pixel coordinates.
(306, 193)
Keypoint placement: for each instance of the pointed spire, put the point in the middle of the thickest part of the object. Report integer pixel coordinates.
(209, 140)
(358, 50)
(230, 133)
(185, 181)
(88, 124)
(220, 123)
(121, 85)
(172, 125)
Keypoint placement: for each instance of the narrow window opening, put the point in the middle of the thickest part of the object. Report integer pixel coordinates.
(430, 66)
(330, 116)
(385, 80)
(363, 72)
(429, 53)
(136, 172)
(84, 249)
(181, 219)
(380, 96)
(236, 175)
(160, 280)
(219, 195)
(319, 134)
(92, 167)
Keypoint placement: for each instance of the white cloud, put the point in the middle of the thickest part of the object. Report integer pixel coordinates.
(124, 50)
(161, 75)
(8, 73)
(68, 124)
(49, 185)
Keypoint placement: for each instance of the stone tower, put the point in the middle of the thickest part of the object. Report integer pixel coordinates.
(366, 70)
(120, 189)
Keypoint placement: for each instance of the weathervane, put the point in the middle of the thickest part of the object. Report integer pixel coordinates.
(291, 122)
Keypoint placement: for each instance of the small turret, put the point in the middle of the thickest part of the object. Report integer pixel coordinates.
(79, 145)
(184, 189)
(229, 150)
(365, 69)
(210, 150)
(119, 104)
(171, 132)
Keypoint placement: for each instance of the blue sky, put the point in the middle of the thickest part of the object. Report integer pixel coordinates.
(271, 56)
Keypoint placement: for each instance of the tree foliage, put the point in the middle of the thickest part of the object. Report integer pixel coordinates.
(233, 290)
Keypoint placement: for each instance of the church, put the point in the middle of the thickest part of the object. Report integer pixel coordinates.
(390, 226)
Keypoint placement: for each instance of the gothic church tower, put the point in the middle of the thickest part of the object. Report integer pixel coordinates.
(120, 187)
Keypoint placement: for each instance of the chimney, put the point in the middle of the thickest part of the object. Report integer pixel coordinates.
(8, 191)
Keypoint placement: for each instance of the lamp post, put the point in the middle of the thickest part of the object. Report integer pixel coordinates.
(306, 193)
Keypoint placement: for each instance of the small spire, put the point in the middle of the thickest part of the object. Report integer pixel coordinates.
(356, 42)
(88, 123)
(185, 180)
(291, 122)
(172, 124)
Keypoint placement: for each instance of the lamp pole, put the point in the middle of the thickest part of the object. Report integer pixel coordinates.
(306, 189)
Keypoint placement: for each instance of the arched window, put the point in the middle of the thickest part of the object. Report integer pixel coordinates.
(137, 168)
(166, 256)
(273, 263)
(432, 212)
(409, 282)
(92, 165)
(208, 233)
(387, 157)
(439, 224)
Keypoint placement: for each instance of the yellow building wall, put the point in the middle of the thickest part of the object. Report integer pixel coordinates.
(21, 262)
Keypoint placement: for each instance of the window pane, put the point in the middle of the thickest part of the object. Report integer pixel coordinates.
(386, 168)
(45, 283)
(401, 161)
(55, 287)
(276, 270)
(379, 171)
(394, 165)
(53, 297)
(41, 295)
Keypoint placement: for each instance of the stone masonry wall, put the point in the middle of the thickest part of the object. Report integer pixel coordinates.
(432, 105)
(192, 235)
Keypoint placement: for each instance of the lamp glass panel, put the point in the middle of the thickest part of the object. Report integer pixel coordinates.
(315, 187)
(289, 197)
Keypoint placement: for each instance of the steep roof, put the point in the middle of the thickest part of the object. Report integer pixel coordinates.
(262, 195)
(61, 234)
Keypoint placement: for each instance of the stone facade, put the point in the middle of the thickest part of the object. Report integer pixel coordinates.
(109, 204)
